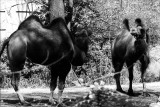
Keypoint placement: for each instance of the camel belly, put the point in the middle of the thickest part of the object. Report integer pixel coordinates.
(44, 57)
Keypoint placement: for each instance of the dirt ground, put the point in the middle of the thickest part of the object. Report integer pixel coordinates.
(74, 97)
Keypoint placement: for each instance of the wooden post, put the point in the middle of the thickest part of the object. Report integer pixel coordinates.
(68, 18)
(121, 5)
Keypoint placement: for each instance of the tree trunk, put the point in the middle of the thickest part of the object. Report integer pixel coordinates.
(69, 15)
(56, 8)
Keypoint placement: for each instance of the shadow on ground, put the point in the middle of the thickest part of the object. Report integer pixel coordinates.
(103, 98)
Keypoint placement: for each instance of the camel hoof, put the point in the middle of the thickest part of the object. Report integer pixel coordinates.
(130, 92)
(120, 90)
(25, 103)
(52, 102)
(133, 94)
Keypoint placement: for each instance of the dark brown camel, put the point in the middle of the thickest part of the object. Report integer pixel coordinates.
(129, 46)
(53, 46)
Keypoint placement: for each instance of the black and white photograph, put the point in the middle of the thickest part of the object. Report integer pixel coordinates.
(79, 53)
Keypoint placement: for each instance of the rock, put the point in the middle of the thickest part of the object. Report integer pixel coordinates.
(92, 96)
(154, 105)
(96, 84)
(102, 83)
(81, 80)
(92, 86)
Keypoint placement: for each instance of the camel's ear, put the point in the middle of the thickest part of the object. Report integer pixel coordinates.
(89, 31)
(147, 36)
(138, 22)
(126, 24)
(82, 33)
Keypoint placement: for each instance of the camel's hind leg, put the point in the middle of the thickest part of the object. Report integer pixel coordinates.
(15, 79)
(16, 52)
(118, 67)
(15, 83)
(130, 70)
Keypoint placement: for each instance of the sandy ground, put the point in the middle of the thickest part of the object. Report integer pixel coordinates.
(39, 96)
(154, 86)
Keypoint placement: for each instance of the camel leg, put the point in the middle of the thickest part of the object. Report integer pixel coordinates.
(53, 85)
(61, 86)
(144, 64)
(130, 70)
(142, 78)
(118, 68)
(15, 83)
(62, 77)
